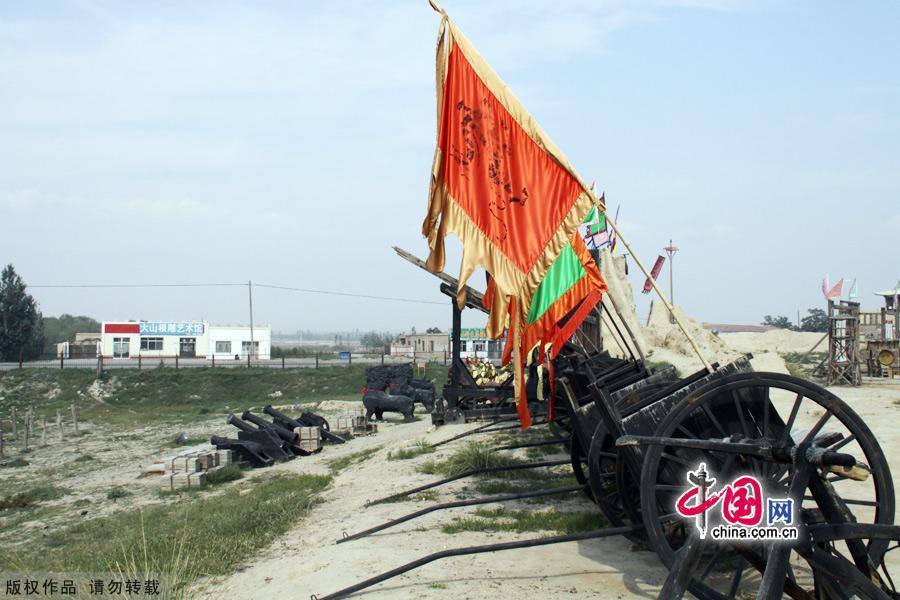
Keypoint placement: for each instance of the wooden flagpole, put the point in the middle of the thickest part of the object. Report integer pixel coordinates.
(659, 292)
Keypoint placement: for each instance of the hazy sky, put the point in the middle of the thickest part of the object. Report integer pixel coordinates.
(290, 143)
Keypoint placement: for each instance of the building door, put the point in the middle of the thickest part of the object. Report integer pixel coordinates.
(120, 347)
(187, 347)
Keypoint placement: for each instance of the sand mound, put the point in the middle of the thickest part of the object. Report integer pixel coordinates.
(776, 340)
(661, 334)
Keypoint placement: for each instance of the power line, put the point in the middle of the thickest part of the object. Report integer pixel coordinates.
(332, 293)
(136, 285)
(263, 285)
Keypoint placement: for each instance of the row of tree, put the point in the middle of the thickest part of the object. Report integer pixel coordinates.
(815, 320)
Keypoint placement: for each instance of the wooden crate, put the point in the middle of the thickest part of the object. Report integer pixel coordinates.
(224, 457)
(310, 438)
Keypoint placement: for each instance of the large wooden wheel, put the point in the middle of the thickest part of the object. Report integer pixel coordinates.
(785, 411)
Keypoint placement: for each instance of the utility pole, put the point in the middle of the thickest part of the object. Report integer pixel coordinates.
(250, 292)
(671, 249)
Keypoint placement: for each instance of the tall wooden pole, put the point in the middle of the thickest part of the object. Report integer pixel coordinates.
(662, 296)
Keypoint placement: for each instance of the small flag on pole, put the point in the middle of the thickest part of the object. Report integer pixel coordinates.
(613, 238)
(854, 293)
(654, 273)
(836, 291)
(825, 286)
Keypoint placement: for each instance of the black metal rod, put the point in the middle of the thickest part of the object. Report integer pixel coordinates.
(545, 541)
(457, 504)
(464, 434)
(428, 486)
(484, 429)
(533, 444)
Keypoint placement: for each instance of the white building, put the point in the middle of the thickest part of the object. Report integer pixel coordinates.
(233, 342)
(185, 339)
(473, 343)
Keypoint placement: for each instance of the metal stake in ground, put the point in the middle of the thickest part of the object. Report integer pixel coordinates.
(43, 431)
(659, 293)
(15, 433)
(75, 418)
(59, 425)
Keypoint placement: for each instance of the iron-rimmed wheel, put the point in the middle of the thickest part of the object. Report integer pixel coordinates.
(753, 406)
(605, 477)
(579, 464)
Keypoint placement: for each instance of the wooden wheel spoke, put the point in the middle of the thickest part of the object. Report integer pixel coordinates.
(714, 421)
(740, 413)
(817, 427)
(712, 563)
(736, 580)
(687, 433)
(838, 445)
(786, 435)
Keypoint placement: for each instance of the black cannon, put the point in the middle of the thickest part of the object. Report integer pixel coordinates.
(246, 450)
(304, 420)
(291, 438)
(398, 380)
(377, 403)
(268, 439)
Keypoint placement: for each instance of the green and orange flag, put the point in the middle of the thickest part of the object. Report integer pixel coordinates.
(512, 198)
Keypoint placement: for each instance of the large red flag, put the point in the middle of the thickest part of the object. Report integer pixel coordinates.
(502, 186)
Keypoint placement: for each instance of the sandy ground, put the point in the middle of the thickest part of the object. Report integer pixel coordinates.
(306, 561)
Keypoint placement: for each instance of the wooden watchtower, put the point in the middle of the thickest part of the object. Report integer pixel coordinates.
(842, 363)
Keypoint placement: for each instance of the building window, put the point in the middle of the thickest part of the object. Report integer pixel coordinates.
(462, 345)
(223, 347)
(245, 347)
(431, 346)
(151, 343)
(120, 347)
(479, 346)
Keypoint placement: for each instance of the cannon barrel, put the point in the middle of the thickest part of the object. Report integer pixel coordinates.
(242, 425)
(305, 420)
(280, 416)
(285, 434)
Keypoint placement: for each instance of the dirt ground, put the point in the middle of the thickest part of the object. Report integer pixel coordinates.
(308, 562)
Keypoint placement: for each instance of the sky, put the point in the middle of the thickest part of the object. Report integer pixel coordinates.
(290, 143)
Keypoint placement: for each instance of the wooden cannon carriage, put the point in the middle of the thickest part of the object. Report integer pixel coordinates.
(636, 436)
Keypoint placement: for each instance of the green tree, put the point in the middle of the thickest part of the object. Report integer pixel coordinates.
(21, 328)
(816, 320)
(780, 322)
(64, 327)
(433, 330)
